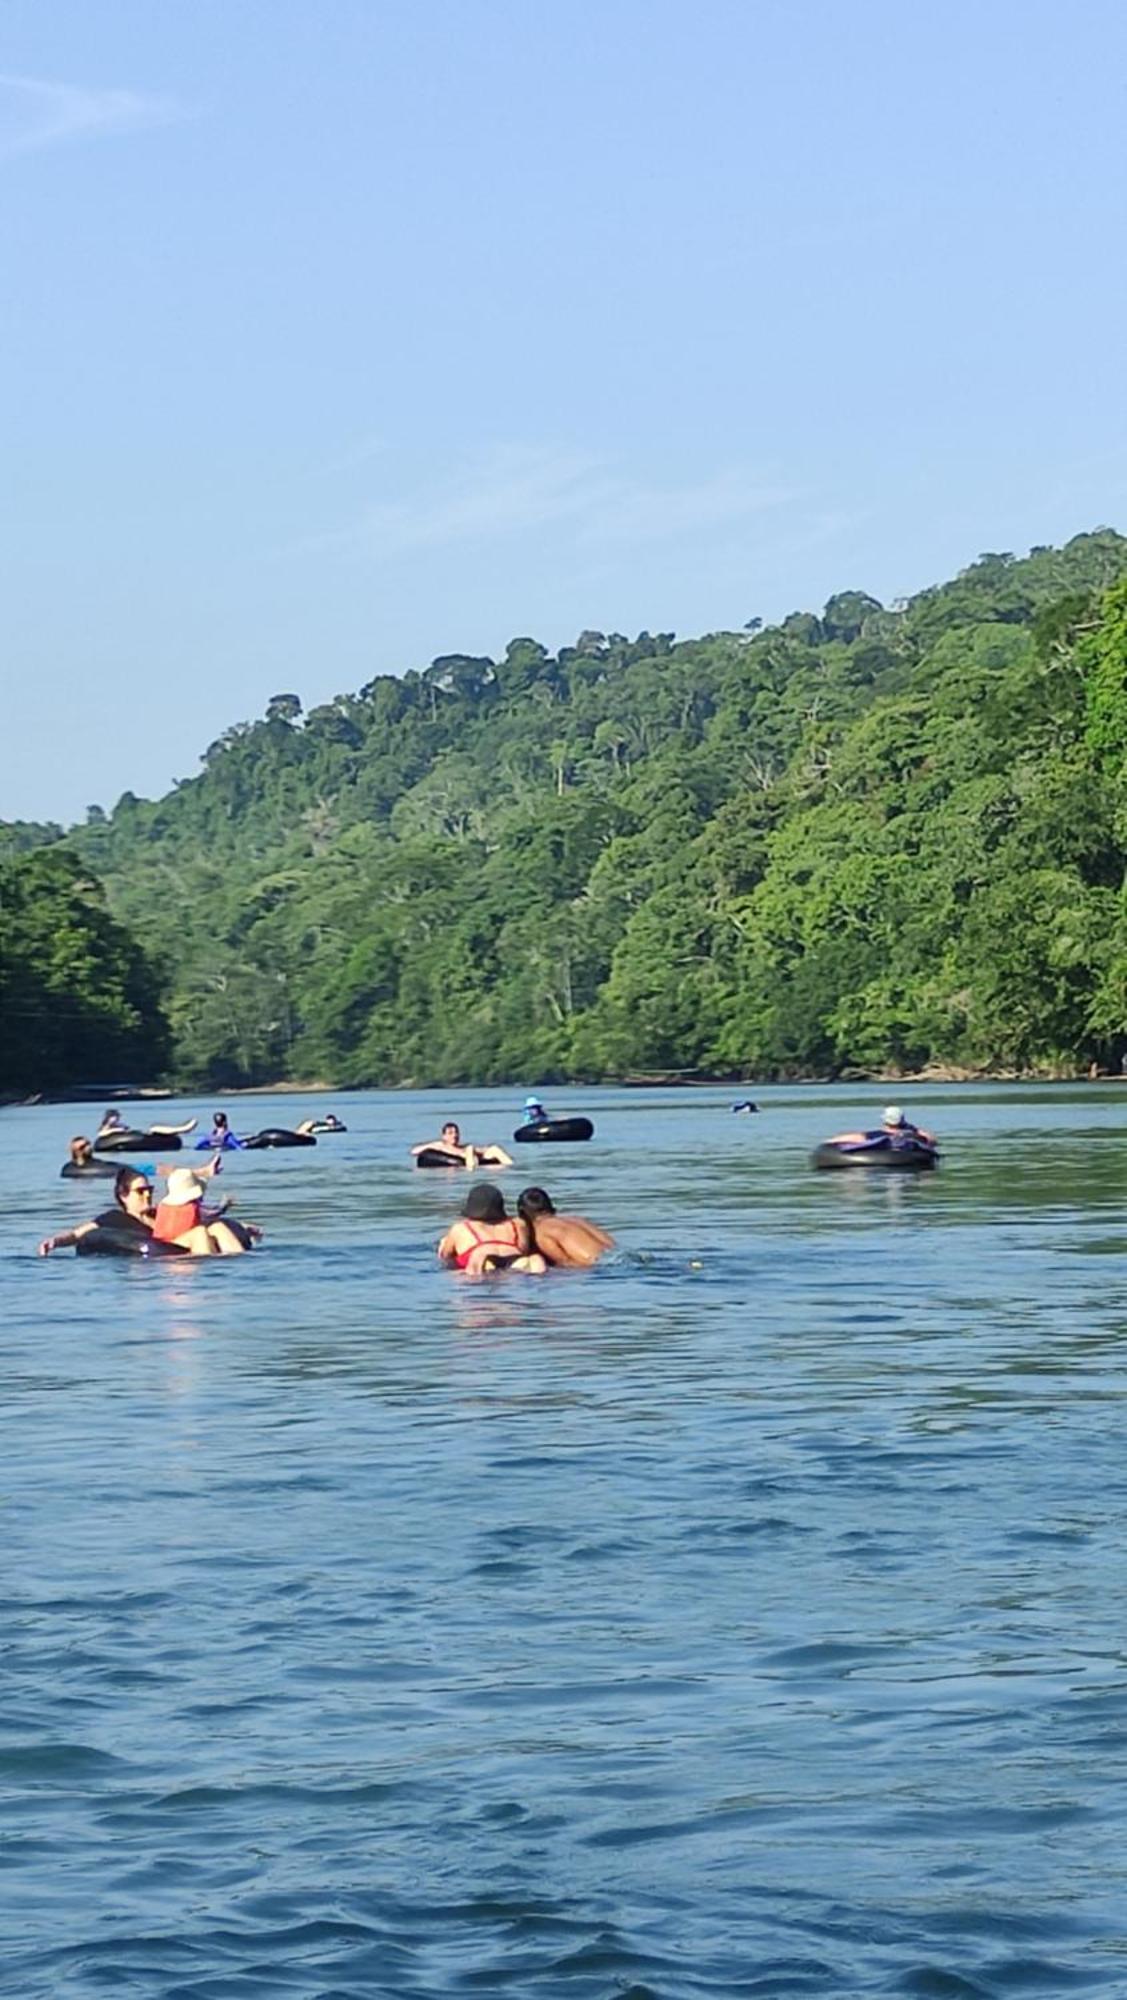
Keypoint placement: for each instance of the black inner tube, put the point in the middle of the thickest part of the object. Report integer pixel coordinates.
(554, 1130)
(138, 1142)
(105, 1241)
(888, 1159)
(274, 1136)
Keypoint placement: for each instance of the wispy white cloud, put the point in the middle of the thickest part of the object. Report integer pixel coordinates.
(519, 490)
(36, 113)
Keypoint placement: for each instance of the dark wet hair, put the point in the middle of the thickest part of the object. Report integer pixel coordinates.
(219, 1118)
(123, 1181)
(534, 1201)
(484, 1203)
(79, 1145)
(531, 1202)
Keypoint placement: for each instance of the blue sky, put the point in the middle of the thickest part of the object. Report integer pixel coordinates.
(339, 334)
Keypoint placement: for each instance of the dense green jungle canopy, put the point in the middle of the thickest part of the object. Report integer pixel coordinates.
(78, 998)
(869, 839)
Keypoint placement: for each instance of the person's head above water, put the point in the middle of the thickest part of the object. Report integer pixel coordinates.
(484, 1203)
(133, 1191)
(81, 1150)
(452, 1133)
(219, 1120)
(533, 1201)
(893, 1117)
(183, 1188)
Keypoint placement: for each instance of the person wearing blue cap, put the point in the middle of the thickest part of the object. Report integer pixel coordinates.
(534, 1112)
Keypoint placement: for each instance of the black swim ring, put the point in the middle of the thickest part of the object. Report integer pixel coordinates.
(138, 1142)
(274, 1137)
(92, 1170)
(876, 1153)
(104, 1241)
(553, 1130)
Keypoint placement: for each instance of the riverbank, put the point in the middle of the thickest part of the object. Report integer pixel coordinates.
(885, 1079)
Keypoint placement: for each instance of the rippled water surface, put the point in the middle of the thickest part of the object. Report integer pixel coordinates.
(745, 1617)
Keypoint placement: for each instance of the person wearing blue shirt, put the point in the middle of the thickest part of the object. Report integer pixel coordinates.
(894, 1130)
(900, 1131)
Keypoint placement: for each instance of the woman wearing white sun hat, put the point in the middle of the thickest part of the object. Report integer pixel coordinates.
(182, 1218)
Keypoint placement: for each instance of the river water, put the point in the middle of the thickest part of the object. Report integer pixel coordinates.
(744, 1617)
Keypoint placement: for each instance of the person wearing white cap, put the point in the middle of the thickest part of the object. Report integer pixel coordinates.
(181, 1218)
(901, 1130)
(895, 1131)
(534, 1112)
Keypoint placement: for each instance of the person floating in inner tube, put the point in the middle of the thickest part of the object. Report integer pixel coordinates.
(82, 1162)
(900, 1131)
(221, 1139)
(112, 1121)
(894, 1130)
(534, 1112)
(181, 1218)
(130, 1219)
(461, 1154)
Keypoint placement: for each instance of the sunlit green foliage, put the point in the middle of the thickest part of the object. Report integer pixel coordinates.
(78, 999)
(868, 838)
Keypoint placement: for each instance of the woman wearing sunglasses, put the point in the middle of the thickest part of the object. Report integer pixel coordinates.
(125, 1230)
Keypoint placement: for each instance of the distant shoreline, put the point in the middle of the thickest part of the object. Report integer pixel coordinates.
(656, 1080)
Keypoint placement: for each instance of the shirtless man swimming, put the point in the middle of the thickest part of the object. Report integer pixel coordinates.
(561, 1239)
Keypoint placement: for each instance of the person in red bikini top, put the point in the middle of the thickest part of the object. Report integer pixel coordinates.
(486, 1239)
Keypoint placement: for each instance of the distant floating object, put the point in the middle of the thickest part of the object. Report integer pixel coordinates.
(746, 1105)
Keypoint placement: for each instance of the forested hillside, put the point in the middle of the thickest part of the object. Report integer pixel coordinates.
(868, 838)
(78, 998)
